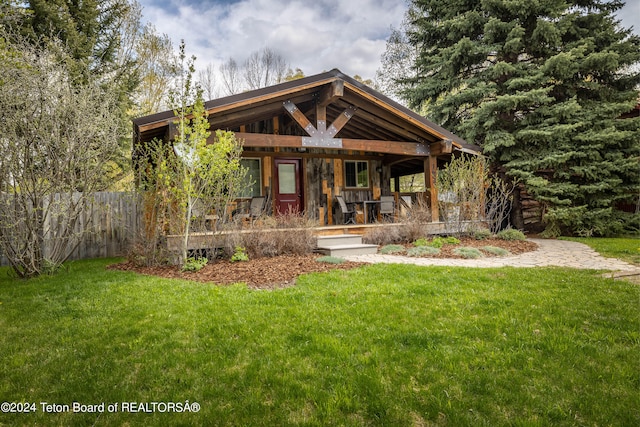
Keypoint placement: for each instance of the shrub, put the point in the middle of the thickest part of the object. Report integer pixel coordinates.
(467, 252)
(240, 255)
(382, 236)
(194, 264)
(419, 251)
(450, 240)
(496, 251)
(392, 249)
(511, 234)
(437, 242)
(272, 237)
(421, 242)
(482, 234)
(330, 260)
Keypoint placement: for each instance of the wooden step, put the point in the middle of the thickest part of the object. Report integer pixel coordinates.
(344, 245)
(346, 250)
(340, 239)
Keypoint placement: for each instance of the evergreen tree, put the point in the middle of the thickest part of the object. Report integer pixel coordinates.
(540, 85)
(98, 39)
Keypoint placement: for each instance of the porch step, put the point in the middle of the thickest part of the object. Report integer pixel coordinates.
(339, 239)
(344, 245)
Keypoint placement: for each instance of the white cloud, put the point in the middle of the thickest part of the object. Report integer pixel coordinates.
(314, 36)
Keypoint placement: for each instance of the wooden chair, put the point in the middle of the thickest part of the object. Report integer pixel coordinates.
(387, 207)
(256, 209)
(348, 215)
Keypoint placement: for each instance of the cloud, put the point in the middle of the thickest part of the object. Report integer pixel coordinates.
(314, 36)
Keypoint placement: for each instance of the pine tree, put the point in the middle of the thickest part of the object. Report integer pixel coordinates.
(540, 85)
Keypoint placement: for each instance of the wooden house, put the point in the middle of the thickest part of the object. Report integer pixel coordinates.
(309, 140)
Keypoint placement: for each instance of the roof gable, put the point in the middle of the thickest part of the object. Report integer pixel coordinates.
(376, 116)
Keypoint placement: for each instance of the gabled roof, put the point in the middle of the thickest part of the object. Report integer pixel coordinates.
(377, 117)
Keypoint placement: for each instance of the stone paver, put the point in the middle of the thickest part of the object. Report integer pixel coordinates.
(559, 253)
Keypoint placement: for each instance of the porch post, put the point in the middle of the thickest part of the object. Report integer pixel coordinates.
(430, 177)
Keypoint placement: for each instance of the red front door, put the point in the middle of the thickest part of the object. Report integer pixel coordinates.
(288, 186)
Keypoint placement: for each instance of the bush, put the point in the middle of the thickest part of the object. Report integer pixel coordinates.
(511, 234)
(419, 251)
(240, 255)
(272, 237)
(482, 234)
(382, 236)
(330, 260)
(469, 253)
(496, 251)
(421, 242)
(392, 249)
(194, 264)
(437, 242)
(450, 240)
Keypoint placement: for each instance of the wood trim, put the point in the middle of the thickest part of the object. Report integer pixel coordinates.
(413, 149)
(430, 178)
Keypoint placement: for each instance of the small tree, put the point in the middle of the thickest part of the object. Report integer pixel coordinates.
(209, 175)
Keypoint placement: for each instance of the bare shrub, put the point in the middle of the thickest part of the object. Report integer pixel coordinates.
(272, 236)
(382, 236)
(414, 223)
(461, 192)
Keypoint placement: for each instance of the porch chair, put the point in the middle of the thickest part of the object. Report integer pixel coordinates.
(387, 207)
(348, 215)
(256, 208)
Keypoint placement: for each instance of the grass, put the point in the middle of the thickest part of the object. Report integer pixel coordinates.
(379, 345)
(626, 249)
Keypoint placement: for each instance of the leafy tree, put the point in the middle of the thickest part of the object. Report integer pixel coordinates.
(99, 39)
(541, 86)
(55, 136)
(208, 176)
(294, 75)
(157, 68)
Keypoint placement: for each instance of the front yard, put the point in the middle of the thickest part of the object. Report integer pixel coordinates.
(375, 345)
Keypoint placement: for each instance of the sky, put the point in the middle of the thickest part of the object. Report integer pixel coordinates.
(313, 35)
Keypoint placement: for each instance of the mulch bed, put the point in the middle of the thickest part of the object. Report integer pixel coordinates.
(282, 271)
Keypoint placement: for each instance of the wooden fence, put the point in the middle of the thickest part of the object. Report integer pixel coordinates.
(112, 221)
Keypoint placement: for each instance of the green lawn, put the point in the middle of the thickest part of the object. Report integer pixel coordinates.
(381, 345)
(626, 249)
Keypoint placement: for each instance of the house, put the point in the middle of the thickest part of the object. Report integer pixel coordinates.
(308, 140)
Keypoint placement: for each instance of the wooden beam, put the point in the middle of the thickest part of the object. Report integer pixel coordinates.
(385, 123)
(430, 179)
(341, 120)
(299, 117)
(412, 149)
(331, 93)
(441, 147)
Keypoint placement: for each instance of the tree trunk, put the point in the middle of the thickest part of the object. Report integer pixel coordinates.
(516, 211)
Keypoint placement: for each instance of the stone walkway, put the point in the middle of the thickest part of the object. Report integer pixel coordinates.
(559, 253)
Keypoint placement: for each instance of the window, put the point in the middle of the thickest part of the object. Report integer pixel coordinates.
(356, 174)
(253, 178)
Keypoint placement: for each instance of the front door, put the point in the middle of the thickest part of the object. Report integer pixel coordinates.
(288, 186)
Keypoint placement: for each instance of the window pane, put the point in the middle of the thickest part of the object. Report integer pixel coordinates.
(363, 174)
(253, 178)
(350, 174)
(287, 179)
(356, 174)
